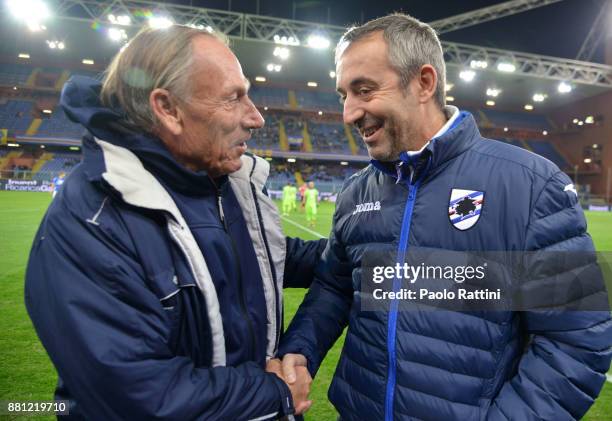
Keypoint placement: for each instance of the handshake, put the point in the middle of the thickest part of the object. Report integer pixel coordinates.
(292, 370)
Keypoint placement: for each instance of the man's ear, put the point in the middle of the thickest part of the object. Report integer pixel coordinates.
(427, 81)
(166, 112)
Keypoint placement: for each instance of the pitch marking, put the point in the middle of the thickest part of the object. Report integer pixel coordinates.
(302, 227)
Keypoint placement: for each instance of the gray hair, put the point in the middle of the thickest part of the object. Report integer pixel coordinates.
(153, 59)
(411, 43)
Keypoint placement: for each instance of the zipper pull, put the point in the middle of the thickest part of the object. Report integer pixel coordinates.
(398, 169)
(221, 214)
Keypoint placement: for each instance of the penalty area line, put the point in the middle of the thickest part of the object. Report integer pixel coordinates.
(609, 377)
(302, 227)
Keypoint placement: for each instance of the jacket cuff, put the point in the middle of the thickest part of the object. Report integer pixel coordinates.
(286, 407)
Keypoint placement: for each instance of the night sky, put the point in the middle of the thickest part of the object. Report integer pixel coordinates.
(557, 30)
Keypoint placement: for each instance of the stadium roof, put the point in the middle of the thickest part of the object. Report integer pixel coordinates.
(555, 28)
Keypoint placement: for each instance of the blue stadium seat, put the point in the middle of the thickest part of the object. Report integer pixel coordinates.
(548, 151)
(317, 100)
(328, 137)
(58, 125)
(14, 74)
(517, 120)
(16, 115)
(270, 97)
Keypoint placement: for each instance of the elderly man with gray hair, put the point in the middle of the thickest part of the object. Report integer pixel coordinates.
(442, 189)
(155, 279)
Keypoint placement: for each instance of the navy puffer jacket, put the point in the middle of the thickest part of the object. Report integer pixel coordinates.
(452, 365)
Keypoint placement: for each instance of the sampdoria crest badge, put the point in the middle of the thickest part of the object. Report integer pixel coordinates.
(464, 208)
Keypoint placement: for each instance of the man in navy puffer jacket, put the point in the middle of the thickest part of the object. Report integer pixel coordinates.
(436, 184)
(155, 279)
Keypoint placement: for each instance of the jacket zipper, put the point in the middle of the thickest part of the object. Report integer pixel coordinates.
(243, 307)
(278, 309)
(392, 320)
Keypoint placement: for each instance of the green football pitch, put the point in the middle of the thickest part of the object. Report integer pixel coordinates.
(25, 370)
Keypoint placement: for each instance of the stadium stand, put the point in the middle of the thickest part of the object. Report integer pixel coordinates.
(60, 162)
(59, 126)
(14, 74)
(328, 137)
(318, 100)
(516, 120)
(16, 116)
(267, 136)
(548, 151)
(269, 97)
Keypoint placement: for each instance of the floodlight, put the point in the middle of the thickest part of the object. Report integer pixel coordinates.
(595, 146)
(277, 67)
(313, 84)
(160, 22)
(587, 160)
(260, 79)
(490, 103)
(332, 74)
(589, 120)
(467, 75)
(318, 42)
(449, 86)
(284, 40)
(575, 121)
(24, 55)
(281, 52)
(539, 97)
(545, 132)
(124, 20)
(117, 34)
(87, 61)
(564, 88)
(478, 64)
(506, 67)
(450, 98)
(290, 159)
(505, 129)
(528, 107)
(343, 163)
(270, 67)
(32, 12)
(320, 112)
(580, 123)
(494, 92)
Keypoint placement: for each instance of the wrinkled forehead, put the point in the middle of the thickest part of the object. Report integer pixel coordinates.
(215, 65)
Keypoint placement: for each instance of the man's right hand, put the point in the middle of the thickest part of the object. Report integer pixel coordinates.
(300, 388)
(299, 383)
(290, 364)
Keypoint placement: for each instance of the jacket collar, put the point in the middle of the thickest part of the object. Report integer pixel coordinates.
(124, 172)
(454, 138)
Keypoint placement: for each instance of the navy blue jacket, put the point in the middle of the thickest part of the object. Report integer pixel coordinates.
(140, 319)
(453, 365)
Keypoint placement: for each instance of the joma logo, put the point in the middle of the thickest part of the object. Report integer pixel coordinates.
(367, 207)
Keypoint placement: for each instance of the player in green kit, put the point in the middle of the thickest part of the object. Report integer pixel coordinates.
(311, 200)
(288, 198)
(293, 197)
